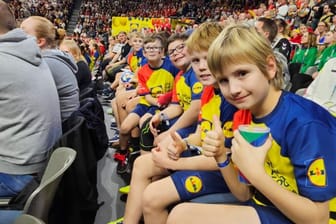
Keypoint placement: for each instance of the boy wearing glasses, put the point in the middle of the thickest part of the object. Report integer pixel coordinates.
(154, 79)
(182, 113)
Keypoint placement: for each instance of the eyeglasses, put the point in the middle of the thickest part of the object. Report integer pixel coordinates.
(178, 49)
(152, 48)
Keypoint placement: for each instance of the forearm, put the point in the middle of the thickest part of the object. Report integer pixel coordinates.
(240, 190)
(296, 207)
(172, 111)
(189, 117)
(195, 163)
(151, 100)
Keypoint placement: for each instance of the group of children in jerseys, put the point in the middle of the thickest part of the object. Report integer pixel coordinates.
(192, 147)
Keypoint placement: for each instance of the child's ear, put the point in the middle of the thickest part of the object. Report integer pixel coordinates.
(271, 66)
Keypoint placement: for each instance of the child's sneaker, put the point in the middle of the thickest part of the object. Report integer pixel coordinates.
(125, 189)
(123, 162)
(118, 221)
(115, 138)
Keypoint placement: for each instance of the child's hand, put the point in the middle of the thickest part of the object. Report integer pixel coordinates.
(248, 158)
(154, 123)
(176, 146)
(160, 158)
(213, 143)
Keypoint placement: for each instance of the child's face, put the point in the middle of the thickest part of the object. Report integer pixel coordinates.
(178, 54)
(200, 65)
(246, 87)
(137, 43)
(153, 51)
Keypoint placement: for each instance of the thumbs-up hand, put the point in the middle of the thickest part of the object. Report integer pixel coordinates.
(213, 143)
(176, 147)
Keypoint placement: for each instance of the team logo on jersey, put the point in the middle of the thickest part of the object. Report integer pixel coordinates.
(193, 184)
(197, 88)
(317, 173)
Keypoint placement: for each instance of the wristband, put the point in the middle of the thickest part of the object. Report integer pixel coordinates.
(164, 118)
(195, 148)
(226, 162)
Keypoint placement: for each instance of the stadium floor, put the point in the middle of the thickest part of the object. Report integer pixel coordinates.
(108, 184)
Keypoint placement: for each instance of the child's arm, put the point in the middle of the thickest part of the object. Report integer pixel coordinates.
(298, 208)
(189, 117)
(151, 100)
(213, 146)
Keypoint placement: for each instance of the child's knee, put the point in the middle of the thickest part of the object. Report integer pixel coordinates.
(151, 199)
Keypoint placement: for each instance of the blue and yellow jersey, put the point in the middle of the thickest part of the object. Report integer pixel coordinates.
(136, 60)
(156, 81)
(213, 103)
(186, 88)
(303, 154)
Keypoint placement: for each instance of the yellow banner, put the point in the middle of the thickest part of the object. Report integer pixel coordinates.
(129, 24)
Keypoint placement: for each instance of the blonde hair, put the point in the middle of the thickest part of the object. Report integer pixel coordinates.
(202, 37)
(44, 28)
(241, 43)
(135, 35)
(74, 49)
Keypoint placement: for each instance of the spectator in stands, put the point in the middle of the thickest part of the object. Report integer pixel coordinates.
(29, 107)
(317, 12)
(283, 170)
(303, 12)
(281, 42)
(282, 9)
(62, 65)
(118, 61)
(321, 30)
(327, 14)
(269, 29)
(83, 75)
(307, 54)
(333, 24)
(329, 51)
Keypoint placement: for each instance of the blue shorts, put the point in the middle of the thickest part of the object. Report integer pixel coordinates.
(141, 109)
(185, 132)
(191, 184)
(269, 214)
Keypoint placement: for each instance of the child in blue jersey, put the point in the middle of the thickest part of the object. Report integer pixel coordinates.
(155, 78)
(191, 167)
(293, 174)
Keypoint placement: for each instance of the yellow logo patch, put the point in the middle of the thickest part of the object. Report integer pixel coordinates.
(193, 184)
(197, 88)
(317, 173)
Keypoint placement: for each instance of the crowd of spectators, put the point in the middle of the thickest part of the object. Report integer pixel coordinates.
(57, 11)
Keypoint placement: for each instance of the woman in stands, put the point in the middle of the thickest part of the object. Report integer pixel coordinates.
(307, 54)
(83, 74)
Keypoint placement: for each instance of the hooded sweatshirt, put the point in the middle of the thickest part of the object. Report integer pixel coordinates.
(30, 122)
(63, 69)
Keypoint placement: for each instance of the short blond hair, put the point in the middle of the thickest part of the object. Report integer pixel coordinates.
(202, 37)
(241, 43)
